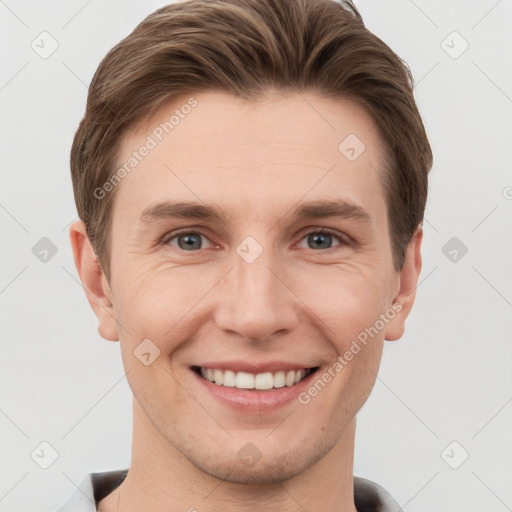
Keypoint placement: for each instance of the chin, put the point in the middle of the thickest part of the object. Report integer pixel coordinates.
(263, 474)
(269, 469)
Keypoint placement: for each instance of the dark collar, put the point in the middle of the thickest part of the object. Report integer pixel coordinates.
(368, 496)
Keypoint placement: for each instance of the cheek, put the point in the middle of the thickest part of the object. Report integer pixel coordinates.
(167, 304)
(345, 300)
(157, 301)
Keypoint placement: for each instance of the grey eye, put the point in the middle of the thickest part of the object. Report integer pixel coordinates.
(321, 240)
(187, 241)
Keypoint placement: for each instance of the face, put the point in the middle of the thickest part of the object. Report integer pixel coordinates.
(250, 246)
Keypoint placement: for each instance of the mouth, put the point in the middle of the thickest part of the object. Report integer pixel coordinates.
(263, 381)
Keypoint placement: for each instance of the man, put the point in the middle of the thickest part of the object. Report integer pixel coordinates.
(251, 177)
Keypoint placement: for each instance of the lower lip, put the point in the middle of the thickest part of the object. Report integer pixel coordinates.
(255, 400)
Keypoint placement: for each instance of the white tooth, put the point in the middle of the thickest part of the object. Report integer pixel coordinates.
(290, 378)
(244, 380)
(279, 380)
(264, 381)
(218, 376)
(229, 379)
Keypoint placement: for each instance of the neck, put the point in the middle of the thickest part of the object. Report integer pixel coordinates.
(162, 479)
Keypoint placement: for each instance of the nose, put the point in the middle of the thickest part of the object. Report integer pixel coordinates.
(255, 301)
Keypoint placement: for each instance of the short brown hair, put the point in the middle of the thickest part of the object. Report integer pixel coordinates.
(247, 47)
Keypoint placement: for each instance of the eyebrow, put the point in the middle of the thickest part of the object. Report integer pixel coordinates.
(197, 211)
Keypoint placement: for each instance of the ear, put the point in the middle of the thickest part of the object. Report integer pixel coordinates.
(94, 281)
(408, 282)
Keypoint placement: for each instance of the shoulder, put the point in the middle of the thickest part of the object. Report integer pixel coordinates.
(371, 497)
(92, 488)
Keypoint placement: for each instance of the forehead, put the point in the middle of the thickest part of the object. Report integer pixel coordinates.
(216, 148)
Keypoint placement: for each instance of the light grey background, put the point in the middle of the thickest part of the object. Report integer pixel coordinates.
(448, 379)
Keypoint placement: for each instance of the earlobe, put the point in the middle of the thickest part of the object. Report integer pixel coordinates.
(94, 282)
(403, 302)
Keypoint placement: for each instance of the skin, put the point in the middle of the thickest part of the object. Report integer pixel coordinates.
(296, 302)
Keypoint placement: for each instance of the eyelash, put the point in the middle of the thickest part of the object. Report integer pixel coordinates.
(343, 239)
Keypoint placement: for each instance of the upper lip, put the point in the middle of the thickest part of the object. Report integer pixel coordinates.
(254, 367)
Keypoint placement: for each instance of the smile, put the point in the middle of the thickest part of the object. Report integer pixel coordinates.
(260, 381)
